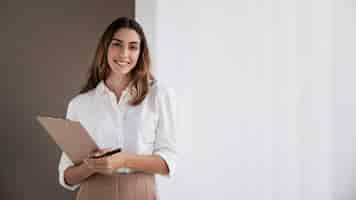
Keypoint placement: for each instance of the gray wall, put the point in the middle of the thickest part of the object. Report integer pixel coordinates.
(46, 49)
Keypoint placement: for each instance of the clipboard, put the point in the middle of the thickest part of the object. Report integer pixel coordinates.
(71, 137)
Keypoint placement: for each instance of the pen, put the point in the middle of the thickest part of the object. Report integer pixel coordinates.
(108, 153)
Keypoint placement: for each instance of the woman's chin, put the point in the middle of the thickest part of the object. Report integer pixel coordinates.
(121, 72)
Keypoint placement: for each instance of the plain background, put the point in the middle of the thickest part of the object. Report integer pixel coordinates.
(266, 88)
(46, 50)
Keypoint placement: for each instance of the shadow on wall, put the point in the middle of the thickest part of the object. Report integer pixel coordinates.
(46, 53)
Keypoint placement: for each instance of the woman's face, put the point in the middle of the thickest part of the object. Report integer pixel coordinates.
(123, 51)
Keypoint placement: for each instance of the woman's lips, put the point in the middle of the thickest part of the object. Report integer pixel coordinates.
(119, 62)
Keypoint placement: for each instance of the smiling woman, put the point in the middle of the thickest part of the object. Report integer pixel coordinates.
(122, 106)
(124, 50)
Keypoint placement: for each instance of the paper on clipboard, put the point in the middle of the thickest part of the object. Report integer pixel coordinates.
(71, 137)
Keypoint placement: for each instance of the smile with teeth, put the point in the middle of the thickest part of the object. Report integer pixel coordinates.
(121, 62)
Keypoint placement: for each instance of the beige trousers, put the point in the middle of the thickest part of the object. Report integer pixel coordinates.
(136, 186)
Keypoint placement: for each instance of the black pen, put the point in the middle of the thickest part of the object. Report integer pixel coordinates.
(108, 153)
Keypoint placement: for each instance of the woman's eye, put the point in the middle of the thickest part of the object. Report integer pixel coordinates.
(133, 48)
(116, 44)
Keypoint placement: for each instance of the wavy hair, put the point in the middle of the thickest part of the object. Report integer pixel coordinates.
(140, 75)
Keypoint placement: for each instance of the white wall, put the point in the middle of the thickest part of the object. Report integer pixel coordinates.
(314, 105)
(344, 159)
(257, 88)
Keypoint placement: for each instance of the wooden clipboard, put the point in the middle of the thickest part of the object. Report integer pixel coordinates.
(71, 137)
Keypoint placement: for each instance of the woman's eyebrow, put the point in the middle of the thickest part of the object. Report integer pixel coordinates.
(133, 42)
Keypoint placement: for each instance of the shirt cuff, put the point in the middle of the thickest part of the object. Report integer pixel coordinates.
(124, 170)
(168, 158)
(64, 184)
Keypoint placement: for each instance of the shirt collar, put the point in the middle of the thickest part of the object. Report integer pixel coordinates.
(103, 89)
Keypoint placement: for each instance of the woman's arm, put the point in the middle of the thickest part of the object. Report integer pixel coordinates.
(76, 174)
(147, 163)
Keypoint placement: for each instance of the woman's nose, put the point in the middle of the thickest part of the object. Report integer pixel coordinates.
(124, 52)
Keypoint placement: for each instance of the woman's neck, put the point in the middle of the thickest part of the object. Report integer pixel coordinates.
(117, 84)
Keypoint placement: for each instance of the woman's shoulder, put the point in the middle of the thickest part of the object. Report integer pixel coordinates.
(162, 90)
(82, 98)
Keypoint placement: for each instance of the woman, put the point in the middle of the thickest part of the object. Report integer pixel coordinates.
(122, 106)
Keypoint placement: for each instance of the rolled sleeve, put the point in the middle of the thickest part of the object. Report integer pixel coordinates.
(166, 144)
(64, 161)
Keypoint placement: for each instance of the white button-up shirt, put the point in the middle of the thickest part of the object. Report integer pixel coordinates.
(146, 129)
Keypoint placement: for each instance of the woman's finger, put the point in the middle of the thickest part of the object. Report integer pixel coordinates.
(100, 152)
(98, 162)
(105, 150)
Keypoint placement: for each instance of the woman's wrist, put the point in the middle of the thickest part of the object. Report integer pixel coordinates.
(127, 160)
(85, 167)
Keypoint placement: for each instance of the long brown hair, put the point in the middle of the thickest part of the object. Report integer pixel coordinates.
(140, 75)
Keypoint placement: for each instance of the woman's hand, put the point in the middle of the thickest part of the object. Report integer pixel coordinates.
(106, 165)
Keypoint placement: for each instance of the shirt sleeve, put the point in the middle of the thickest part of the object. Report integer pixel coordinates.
(64, 161)
(165, 142)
